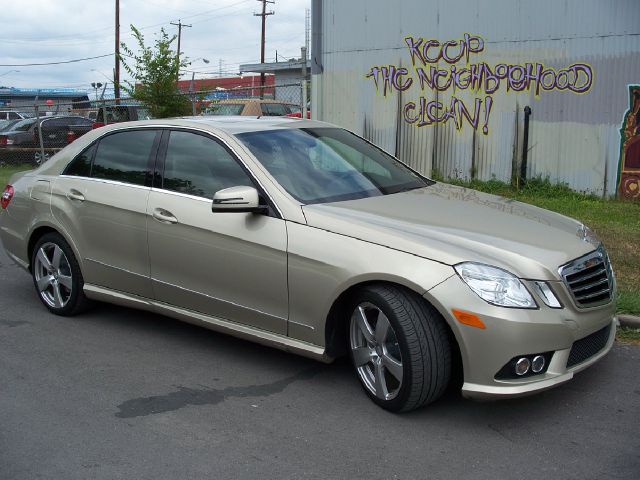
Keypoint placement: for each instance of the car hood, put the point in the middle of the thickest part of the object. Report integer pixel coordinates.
(452, 224)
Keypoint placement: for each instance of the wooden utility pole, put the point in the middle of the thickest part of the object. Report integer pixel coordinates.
(179, 25)
(116, 70)
(264, 15)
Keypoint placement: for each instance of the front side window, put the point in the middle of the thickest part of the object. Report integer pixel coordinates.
(318, 165)
(199, 165)
(124, 156)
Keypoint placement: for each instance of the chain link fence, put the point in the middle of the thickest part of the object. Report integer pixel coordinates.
(32, 130)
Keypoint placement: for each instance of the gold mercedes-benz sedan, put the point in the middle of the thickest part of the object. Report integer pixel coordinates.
(303, 236)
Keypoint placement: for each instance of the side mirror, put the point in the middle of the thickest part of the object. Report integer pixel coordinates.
(237, 199)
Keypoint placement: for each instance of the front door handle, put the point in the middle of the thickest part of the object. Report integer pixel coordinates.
(164, 216)
(75, 195)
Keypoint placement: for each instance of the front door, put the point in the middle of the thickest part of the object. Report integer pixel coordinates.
(228, 265)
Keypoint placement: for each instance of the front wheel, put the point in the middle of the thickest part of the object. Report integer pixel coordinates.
(57, 276)
(399, 347)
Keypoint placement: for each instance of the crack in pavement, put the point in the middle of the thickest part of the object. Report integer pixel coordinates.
(184, 396)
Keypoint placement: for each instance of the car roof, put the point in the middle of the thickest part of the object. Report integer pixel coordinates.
(232, 125)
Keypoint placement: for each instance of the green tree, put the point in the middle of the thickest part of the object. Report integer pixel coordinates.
(154, 70)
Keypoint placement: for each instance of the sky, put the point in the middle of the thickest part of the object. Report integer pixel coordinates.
(48, 31)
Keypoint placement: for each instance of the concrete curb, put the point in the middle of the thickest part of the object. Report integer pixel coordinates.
(629, 321)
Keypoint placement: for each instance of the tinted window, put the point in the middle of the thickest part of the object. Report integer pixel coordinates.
(79, 121)
(198, 165)
(55, 123)
(275, 109)
(329, 164)
(81, 165)
(13, 116)
(124, 156)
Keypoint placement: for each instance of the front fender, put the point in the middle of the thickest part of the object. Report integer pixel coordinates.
(323, 265)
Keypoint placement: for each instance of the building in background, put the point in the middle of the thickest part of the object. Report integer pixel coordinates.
(287, 75)
(57, 100)
(237, 86)
(487, 89)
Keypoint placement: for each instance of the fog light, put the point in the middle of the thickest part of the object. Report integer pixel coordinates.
(522, 366)
(538, 364)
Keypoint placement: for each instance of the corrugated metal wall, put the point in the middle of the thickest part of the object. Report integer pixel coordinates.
(573, 138)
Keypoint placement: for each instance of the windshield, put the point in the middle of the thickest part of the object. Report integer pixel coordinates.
(318, 165)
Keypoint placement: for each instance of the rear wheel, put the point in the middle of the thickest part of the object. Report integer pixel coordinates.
(399, 347)
(57, 276)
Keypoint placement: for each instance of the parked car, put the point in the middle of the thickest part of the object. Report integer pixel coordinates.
(303, 236)
(13, 115)
(251, 107)
(119, 113)
(296, 112)
(22, 142)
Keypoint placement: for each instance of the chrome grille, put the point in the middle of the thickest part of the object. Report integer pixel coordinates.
(589, 279)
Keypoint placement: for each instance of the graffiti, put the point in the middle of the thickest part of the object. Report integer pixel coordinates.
(439, 67)
(629, 172)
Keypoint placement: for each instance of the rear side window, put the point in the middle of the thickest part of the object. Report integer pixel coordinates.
(124, 156)
(81, 165)
(200, 166)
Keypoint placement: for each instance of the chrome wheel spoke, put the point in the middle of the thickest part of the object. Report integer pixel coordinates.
(376, 354)
(382, 328)
(380, 384)
(363, 325)
(57, 255)
(65, 281)
(361, 356)
(44, 283)
(393, 366)
(57, 295)
(42, 257)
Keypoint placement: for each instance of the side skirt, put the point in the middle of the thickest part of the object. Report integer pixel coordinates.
(221, 325)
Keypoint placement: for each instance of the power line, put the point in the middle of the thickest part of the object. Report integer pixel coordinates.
(54, 63)
(264, 16)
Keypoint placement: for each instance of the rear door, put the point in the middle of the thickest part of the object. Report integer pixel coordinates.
(228, 265)
(101, 200)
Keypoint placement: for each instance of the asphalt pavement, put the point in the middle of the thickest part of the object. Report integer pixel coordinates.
(121, 394)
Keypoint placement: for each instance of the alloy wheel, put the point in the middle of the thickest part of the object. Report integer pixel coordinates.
(52, 273)
(375, 350)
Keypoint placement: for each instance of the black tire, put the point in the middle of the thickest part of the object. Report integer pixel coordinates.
(419, 339)
(73, 300)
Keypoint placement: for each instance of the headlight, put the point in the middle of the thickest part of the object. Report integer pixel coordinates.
(495, 286)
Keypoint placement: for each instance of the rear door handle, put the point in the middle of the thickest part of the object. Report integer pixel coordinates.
(75, 195)
(164, 216)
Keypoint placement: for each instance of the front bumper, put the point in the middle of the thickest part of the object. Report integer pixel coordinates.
(512, 332)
